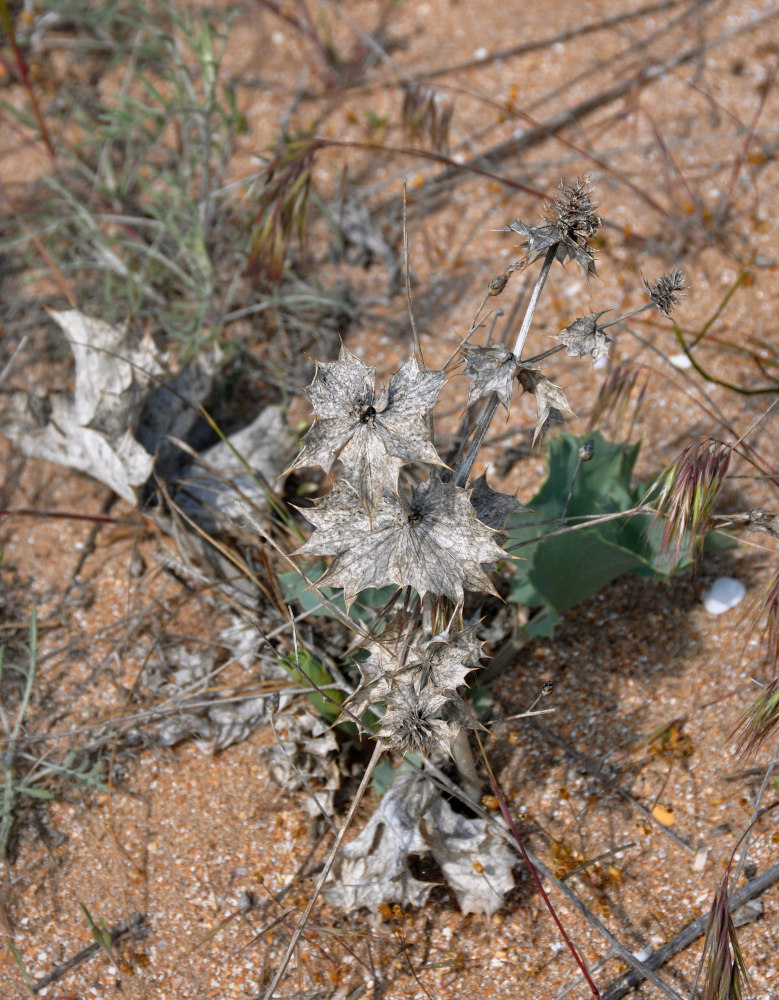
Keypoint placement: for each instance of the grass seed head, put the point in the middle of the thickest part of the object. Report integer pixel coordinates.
(726, 972)
(688, 491)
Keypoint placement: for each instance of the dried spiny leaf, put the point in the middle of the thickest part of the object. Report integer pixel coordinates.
(490, 369)
(689, 488)
(571, 224)
(435, 544)
(666, 291)
(492, 508)
(550, 399)
(726, 971)
(583, 337)
(372, 431)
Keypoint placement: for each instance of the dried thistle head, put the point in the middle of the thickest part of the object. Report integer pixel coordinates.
(573, 215)
(667, 290)
(571, 223)
(726, 971)
(688, 490)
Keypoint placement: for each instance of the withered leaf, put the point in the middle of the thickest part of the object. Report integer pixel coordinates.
(374, 866)
(475, 860)
(490, 369)
(373, 431)
(413, 819)
(434, 544)
(550, 398)
(92, 429)
(583, 337)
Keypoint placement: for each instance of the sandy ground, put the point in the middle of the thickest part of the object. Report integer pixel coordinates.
(180, 835)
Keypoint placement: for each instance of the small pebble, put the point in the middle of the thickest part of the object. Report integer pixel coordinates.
(723, 595)
(680, 361)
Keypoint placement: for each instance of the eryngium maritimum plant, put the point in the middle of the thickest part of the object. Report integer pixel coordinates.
(435, 535)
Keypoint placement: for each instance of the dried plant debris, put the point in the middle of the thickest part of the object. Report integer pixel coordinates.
(433, 543)
(91, 429)
(215, 718)
(551, 403)
(373, 431)
(412, 819)
(237, 473)
(306, 755)
(583, 337)
(119, 423)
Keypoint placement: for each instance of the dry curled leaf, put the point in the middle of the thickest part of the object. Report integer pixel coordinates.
(373, 431)
(412, 819)
(92, 429)
(373, 868)
(583, 337)
(550, 399)
(435, 543)
(475, 860)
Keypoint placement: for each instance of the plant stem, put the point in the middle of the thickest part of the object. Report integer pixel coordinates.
(474, 447)
(377, 752)
(519, 346)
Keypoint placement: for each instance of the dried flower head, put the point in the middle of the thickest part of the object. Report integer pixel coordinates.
(726, 971)
(583, 337)
(688, 490)
(417, 684)
(571, 224)
(435, 543)
(373, 431)
(666, 291)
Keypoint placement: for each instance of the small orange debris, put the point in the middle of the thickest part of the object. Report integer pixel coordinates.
(663, 815)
